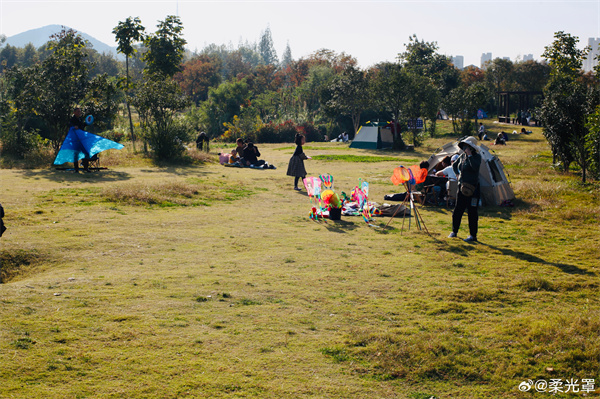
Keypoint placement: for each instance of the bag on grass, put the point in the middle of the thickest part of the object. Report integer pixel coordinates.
(398, 210)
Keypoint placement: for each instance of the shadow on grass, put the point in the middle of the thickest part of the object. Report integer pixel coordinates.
(178, 170)
(340, 226)
(70, 175)
(570, 269)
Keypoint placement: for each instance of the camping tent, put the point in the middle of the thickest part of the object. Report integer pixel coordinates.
(373, 138)
(80, 144)
(494, 183)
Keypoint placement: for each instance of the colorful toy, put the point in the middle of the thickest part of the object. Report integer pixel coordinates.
(409, 177)
(327, 181)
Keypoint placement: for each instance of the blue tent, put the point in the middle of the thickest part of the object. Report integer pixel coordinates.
(80, 144)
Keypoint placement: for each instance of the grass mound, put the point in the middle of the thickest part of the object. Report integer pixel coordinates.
(16, 262)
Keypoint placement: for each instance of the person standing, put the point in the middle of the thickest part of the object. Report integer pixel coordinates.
(296, 164)
(481, 132)
(77, 122)
(466, 168)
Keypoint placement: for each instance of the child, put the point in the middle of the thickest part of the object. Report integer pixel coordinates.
(296, 165)
(233, 158)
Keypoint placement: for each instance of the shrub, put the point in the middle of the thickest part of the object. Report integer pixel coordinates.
(267, 134)
(312, 132)
(287, 131)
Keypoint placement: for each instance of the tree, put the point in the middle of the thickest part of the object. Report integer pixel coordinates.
(390, 87)
(462, 104)
(128, 33)
(531, 75)
(422, 60)
(471, 75)
(165, 48)
(567, 102)
(267, 49)
(223, 103)
(61, 83)
(198, 75)
(17, 102)
(8, 57)
(499, 74)
(314, 91)
(286, 58)
(563, 56)
(422, 100)
(158, 102)
(101, 100)
(159, 98)
(592, 142)
(350, 94)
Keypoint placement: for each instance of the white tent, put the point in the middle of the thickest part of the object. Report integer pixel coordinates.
(494, 183)
(373, 137)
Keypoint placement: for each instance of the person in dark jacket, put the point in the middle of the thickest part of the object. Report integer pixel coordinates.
(466, 169)
(77, 122)
(203, 142)
(251, 155)
(2, 227)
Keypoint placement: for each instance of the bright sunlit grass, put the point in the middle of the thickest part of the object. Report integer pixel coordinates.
(200, 281)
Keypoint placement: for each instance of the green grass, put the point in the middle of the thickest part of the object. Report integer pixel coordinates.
(200, 281)
(359, 158)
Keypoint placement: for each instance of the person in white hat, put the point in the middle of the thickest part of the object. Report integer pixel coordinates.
(466, 168)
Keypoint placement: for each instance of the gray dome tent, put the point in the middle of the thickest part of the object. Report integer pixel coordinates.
(495, 186)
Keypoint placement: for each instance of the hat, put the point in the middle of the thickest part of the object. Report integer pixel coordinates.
(470, 141)
(454, 158)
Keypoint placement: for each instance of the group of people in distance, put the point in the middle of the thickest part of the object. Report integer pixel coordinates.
(246, 154)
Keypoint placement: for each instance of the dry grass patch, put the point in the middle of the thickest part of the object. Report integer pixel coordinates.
(176, 193)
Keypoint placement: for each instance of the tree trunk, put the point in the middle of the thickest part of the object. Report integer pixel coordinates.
(131, 125)
(128, 107)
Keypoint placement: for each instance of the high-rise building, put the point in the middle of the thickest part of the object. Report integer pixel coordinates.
(528, 57)
(485, 59)
(458, 61)
(590, 62)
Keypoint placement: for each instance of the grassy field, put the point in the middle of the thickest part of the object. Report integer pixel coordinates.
(202, 281)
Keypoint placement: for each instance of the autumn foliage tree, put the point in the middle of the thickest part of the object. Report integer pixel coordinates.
(198, 75)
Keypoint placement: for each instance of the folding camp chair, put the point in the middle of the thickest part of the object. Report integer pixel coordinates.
(94, 162)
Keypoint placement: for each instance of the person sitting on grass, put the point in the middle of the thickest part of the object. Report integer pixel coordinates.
(500, 140)
(251, 155)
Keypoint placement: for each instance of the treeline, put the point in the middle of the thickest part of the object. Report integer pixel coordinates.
(247, 91)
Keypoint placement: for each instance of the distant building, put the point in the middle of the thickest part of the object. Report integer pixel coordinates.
(458, 61)
(528, 57)
(590, 62)
(506, 58)
(486, 58)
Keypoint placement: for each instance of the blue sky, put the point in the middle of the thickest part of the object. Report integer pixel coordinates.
(371, 31)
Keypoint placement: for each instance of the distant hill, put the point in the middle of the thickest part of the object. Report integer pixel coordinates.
(40, 36)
